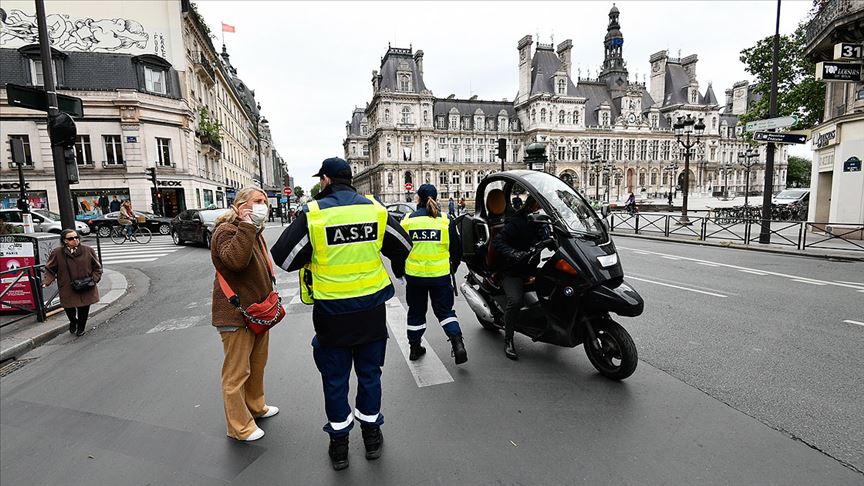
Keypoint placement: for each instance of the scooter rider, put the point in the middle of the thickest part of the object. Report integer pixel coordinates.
(435, 255)
(337, 240)
(514, 242)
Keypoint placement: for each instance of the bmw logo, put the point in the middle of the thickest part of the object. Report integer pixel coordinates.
(568, 291)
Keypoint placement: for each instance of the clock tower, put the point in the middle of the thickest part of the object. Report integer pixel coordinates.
(614, 72)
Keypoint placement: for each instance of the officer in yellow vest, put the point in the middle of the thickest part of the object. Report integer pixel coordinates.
(337, 241)
(434, 257)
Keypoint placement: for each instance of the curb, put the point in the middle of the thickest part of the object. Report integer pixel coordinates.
(118, 285)
(729, 244)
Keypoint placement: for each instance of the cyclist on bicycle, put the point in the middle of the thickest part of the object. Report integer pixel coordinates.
(630, 205)
(127, 218)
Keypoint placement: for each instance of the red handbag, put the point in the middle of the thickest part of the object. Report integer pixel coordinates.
(262, 316)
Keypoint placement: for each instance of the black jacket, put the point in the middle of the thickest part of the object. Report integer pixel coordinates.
(345, 322)
(517, 237)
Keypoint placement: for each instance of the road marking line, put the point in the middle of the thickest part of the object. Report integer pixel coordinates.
(630, 277)
(736, 267)
(134, 253)
(851, 283)
(295, 300)
(811, 282)
(854, 322)
(175, 324)
(707, 264)
(428, 370)
(670, 258)
(753, 272)
(132, 260)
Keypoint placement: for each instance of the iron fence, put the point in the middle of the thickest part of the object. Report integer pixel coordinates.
(801, 235)
(33, 274)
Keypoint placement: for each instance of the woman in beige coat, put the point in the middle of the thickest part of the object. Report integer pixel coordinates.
(239, 255)
(72, 261)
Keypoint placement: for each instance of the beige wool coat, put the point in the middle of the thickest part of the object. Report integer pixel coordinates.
(64, 267)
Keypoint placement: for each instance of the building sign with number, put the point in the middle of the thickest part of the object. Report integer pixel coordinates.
(848, 51)
(838, 71)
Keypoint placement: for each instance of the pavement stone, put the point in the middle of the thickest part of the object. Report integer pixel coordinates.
(28, 334)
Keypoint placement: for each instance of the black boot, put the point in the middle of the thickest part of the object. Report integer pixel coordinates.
(510, 348)
(339, 452)
(416, 351)
(373, 440)
(80, 329)
(73, 326)
(458, 349)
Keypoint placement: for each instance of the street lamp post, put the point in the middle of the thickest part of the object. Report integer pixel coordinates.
(598, 167)
(685, 127)
(725, 168)
(258, 136)
(672, 169)
(609, 169)
(744, 158)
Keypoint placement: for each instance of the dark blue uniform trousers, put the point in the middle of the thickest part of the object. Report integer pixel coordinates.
(334, 363)
(417, 291)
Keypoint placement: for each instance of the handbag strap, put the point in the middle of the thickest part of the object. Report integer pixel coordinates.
(229, 292)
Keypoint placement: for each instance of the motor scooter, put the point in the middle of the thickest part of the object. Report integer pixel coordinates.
(578, 282)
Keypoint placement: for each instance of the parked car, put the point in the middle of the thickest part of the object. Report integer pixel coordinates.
(43, 220)
(195, 225)
(399, 210)
(799, 196)
(155, 223)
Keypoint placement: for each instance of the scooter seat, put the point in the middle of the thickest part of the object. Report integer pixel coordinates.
(496, 278)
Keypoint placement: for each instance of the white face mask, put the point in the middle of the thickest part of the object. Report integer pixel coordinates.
(259, 213)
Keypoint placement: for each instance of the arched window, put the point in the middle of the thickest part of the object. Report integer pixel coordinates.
(561, 117)
(406, 114)
(442, 177)
(387, 115)
(427, 178)
(454, 178)
(408, 178)
(561, 152)
(425, 115)
(404, 83)
(389, 178)
(562, 87)
(543, 115)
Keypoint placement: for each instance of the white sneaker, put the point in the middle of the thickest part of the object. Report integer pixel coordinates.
(254, 436)
(271, 411)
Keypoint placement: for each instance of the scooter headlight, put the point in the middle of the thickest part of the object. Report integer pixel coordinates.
(608, 260)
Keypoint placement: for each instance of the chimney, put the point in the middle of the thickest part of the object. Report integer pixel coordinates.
(658, 77)
(564, 49)
(739, 97)
(689, 65)
(728, 100)
(418, 58)
(524, 49)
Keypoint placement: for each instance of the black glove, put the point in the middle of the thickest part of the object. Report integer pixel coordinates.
(520, 256)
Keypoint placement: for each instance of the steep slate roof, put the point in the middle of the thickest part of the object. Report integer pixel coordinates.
(677, 82)
(468, 107)
(596, 93)
(709, 98)
(356, 118)
(390, 64)
(647, 101)
(544, 65)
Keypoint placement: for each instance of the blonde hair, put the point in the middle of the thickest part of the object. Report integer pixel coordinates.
(432, 207)
(243, 196)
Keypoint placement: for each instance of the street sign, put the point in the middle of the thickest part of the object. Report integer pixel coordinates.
(839, 71)
(286, 191)
(846, 51)
(852, 164)
(771, 123)
(409, 186)
(779, 137)
(36, 99)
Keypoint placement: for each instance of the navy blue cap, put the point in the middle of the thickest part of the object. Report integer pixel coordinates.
(426, 191)
(334, 167)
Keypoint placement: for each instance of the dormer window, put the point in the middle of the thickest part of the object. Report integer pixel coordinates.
(404, 82)
(543, 115)
(36, 74)
(605, 118)
(562, 87)
(693, 96)
(575, 117)
(154, 80)
(154, 74)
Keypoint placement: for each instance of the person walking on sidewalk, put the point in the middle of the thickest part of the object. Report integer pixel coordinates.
(76, 269)
(336, 242)
(239, 254)
(435, 255)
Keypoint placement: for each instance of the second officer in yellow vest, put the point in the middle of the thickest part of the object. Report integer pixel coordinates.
(435, 255)
(337, 241)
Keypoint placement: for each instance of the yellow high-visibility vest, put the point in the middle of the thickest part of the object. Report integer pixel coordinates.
(346, 252)
(430, 253)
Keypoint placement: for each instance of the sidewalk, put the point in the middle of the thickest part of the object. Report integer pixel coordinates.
(21, 337)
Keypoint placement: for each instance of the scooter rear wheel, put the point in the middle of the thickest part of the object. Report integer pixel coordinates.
(615, 355)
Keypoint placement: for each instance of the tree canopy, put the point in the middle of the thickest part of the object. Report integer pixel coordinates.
(798, 91)
(298, 192)
(315, 189)
(798, 172)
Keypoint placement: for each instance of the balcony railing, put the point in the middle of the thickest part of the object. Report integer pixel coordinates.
(833, 10)
(204, 67)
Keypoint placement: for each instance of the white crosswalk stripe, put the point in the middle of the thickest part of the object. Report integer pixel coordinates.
(131, 252)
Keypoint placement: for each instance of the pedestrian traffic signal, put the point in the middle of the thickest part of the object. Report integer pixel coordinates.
(151, 174)
(502, 148)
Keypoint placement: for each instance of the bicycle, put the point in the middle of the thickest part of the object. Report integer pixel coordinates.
(139, 234)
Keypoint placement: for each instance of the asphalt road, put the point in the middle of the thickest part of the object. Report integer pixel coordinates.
(748, 375)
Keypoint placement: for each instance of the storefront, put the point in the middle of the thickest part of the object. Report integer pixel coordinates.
(9, 199)
(170, 199)
(92, 203)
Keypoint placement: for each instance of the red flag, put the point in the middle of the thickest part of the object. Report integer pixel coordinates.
(227, 28)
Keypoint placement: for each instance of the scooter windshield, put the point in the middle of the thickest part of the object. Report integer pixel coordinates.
(567, 206)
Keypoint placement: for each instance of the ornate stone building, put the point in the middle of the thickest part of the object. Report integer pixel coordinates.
(407, 135)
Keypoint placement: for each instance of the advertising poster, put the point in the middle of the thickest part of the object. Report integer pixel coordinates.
(14, 255)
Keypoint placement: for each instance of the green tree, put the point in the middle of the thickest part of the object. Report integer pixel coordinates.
(798, 91)
(315, 189)
(798, 172)
(298, 192)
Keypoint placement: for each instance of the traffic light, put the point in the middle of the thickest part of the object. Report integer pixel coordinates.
(151, 174)
(502, 148)
(62, 130)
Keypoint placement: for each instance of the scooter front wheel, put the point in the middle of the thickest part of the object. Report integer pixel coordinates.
(613, 353)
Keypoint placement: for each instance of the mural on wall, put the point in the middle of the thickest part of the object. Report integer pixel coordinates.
(79, 34)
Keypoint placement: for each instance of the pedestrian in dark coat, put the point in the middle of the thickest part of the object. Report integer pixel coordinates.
(73, 261)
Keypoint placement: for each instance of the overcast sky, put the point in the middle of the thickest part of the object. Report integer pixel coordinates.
(311, 63)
